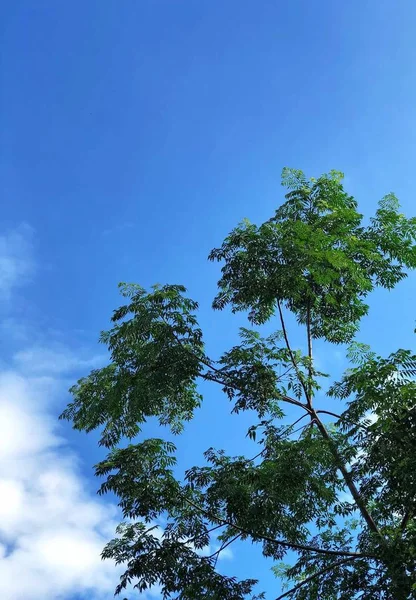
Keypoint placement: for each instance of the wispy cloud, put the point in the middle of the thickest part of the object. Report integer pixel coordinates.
(56, 359)
(118, 228)
(16, 259)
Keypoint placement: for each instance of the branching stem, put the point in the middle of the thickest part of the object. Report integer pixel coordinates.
(284, 543)
(315, 576)
(324, 432)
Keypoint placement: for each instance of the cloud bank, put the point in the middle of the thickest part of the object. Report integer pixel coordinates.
(52, 530)
(52, 527)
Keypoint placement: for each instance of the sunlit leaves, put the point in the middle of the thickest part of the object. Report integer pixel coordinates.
(316, 257)
(155, 347)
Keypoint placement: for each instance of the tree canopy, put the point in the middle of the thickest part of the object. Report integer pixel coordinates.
(335, 490)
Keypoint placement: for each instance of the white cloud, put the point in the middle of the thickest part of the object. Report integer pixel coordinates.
(52, 527)
(16, 259)
(52, 530)
(55, 360)
(226, 554)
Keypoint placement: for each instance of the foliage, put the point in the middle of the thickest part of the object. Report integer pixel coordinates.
(340, 495)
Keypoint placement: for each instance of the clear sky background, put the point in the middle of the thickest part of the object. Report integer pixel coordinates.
(134, 135)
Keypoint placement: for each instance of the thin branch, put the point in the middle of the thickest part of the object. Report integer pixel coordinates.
(284, 543)
(285, 373)
(339, 462)
(314, 576)
(223, 546)
(192, 539)
(292, 356)
(309, 335)
(284, 432)
(293, 424)
(328, 412)
(308, 327)
(310, 424)
(234, 386)
(405, 520)
(347, 476)
(230, 383)
(341, 418)
(257, 455)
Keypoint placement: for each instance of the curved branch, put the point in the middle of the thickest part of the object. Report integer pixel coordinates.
(195, 537)
(309, 336)
(348, 478)
(341, 418)
(284, 543)
(405, 520)
(292, 356)
(223, 546)
(285, 431)
(315, 575)
(232, 384)
(328, 412)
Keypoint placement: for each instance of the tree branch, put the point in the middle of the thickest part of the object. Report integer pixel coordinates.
(347, 476)
(292, 425)
(339, 462)
(230, 383)
(345, 473)
(341, 418)
(328, 412)
(224, 545)
(292, 356)
(192, 539)
(405, 520)
(315, 576)
(284, 543)
(309, 336)
(233, 385)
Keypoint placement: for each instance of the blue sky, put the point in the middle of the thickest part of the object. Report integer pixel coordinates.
(134, 136)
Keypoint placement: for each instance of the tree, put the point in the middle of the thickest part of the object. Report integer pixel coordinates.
(338, 490)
